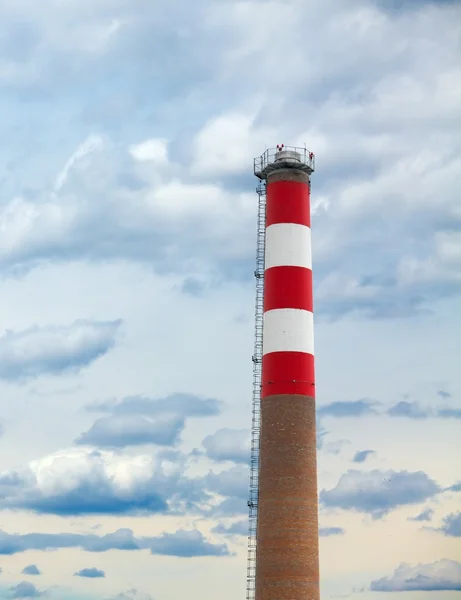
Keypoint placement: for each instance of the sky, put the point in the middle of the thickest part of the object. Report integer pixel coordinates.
(127, 249)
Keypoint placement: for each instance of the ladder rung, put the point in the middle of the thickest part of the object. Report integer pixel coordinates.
(257, 377)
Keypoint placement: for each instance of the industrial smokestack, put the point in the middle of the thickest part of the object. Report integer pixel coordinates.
(287, 556)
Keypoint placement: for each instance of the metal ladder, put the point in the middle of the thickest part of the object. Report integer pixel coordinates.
(257, 373)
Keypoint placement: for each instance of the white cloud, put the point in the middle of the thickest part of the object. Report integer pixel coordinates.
(93, 482)
(91, 144)
(156, 207)
(89, 481)
(54, 350)
(228, 444)
(153, 150)
(228, 144)
(442, 575)
(378, 492)
(168, 222)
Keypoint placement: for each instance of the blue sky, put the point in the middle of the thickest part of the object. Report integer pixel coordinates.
(128, 222)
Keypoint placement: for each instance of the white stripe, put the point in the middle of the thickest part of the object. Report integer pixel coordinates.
(288, 245)
(288, 330)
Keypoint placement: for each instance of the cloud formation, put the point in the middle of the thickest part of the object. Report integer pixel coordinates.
(442, 575)
(120, 431)
(331, 531)
(449, 413)
(411, 410)
(81, 481)
(123, 205)
(54, 350)
(392, 106)
(176, 195)
(232, 482)
(187, 405)
(228, 445)
(322, 432)
(31, 570)
(132, 594)
(378, 492)
(181, 543)
(86, 481)
(401, 409)
(414, 410)
(356, 408)
(424, 516)
(236, 528)
(91, 573)
(186, 544)
(452, 525)
(137, 420)
(362, 455)
(122, 539)
(25, 589)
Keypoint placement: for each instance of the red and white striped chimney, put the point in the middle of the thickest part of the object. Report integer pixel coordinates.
(287, 562)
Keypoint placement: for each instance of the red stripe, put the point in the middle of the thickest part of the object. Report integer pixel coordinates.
(288, 287)
(288, 373)
(288, 202)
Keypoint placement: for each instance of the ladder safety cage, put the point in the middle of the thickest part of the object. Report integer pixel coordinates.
(257, 381)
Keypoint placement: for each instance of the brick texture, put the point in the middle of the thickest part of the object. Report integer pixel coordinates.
(287, 562)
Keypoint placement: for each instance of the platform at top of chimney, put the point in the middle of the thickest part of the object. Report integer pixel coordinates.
(284, 157)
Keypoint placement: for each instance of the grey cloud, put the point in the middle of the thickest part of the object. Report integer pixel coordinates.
(237, 528)
(139, 420)
(378, 492)
(362, 456)
(89, 499)
(403, 5)
(91, 573)
(411, 410)
(97, 482)
(181, 543)
(331, 531)
(387, 102)
(414, 410)
(234, 506)
(452, 525)
(335, 447)
(54, 350)
(132, 594)
(442, 575)
(186, 544)
(228, 445)
(443, 394)
(356, 408)
(24, 590)
(187, 405)
(194, 287)
(157, 485)
(321, 435)
(232, 482)
(424, 516)
(94, 230)
(31, 570)
(389, 305)
(449, 413)
(119, 431)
